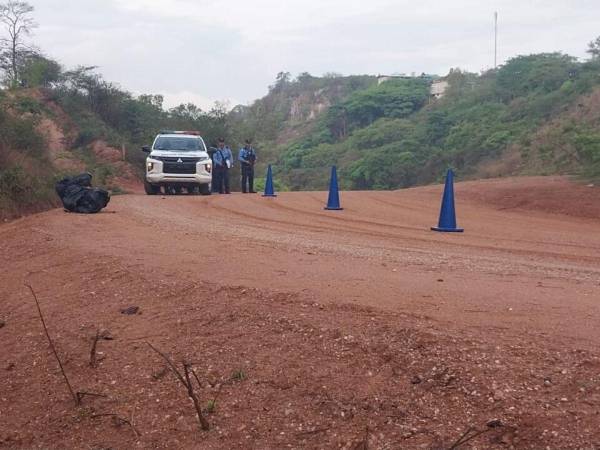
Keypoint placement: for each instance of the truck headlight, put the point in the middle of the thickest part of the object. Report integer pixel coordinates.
(150, 166)
(207, 167)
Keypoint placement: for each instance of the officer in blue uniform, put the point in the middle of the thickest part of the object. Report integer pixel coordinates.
(247, 158)
(223, 162)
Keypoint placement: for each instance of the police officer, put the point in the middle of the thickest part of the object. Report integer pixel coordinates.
(223, 161)
(247, 158)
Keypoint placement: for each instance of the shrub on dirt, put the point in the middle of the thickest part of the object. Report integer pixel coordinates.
(14, 182)
(85, 137)
(27, 105)
(20, 191)
(211, 406)
(238, 375)
(19, 133)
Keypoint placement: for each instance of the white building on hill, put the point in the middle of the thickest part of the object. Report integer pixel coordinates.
(438, 88)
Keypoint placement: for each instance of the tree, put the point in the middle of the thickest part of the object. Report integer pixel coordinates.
(186, 112)
(283, 78)
(281, 81)
(153, 100)
(539, 73)
(17, 21)
(594, 48)
(39, 71)
(304, 76)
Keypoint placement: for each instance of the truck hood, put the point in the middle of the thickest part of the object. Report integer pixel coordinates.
(176, 154)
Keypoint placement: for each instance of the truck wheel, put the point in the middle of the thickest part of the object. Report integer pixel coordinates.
(205, 189)
(150, 188)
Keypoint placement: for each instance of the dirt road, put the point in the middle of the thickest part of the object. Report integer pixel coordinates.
(343, 321)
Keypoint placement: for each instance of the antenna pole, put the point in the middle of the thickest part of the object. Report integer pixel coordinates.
(495, 39)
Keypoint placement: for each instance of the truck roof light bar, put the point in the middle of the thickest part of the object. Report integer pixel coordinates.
(193, 133)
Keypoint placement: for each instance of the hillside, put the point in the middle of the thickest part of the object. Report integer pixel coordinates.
(292, 109)
(41, 143)
(537, 114)
(68, 121)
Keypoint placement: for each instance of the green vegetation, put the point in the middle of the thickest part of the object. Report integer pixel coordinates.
(259, 184)
(211, 406)
(101, 110)
(21, 192)
(25, 181)
(289, 103)
(367, 119)
(392, 135)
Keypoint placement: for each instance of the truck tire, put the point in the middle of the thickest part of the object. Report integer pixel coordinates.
(150, 188)
(205, 189)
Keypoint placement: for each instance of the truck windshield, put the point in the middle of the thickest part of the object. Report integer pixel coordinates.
(178, 143)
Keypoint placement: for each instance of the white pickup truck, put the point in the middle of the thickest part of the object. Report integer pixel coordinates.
(178, 160)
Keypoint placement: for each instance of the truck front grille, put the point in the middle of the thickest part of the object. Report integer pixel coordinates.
(182, 167)
(176, 164)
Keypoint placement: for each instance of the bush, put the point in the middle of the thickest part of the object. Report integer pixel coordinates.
(26, 105)
(85, 137)
(38, 71)
(587, 144)
(259, 185)
(14, 183)
(20, 134)
(102, 173)
(21, 192)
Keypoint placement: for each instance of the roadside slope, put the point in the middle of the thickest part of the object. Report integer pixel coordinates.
(41, 144)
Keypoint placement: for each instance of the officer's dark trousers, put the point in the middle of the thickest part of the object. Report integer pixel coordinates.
(247, 178)
(217, 180)
(221, 180)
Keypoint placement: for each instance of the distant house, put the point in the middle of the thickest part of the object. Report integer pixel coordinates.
(384, 78)
(402, 76)
(438, 88)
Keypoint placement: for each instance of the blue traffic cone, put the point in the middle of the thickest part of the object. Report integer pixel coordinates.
(447, 220)
(269, 191)
(333, 202)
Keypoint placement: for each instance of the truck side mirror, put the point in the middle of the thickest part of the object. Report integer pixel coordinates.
(146, 148)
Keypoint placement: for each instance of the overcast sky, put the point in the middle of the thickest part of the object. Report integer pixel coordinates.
(207, 50)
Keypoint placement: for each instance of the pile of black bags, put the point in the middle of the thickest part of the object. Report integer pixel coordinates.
(78, 195)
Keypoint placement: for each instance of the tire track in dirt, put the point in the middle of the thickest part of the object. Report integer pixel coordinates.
(284, 243)
(390, 236)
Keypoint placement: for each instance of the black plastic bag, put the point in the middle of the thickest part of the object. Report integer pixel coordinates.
(78, 196)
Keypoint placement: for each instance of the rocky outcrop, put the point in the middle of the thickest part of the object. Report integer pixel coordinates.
(308, 106)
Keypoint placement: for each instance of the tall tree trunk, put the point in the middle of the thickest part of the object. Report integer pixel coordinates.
(14, 41)
(14, 63)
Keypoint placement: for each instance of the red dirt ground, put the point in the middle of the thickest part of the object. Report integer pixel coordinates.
(350, 329)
